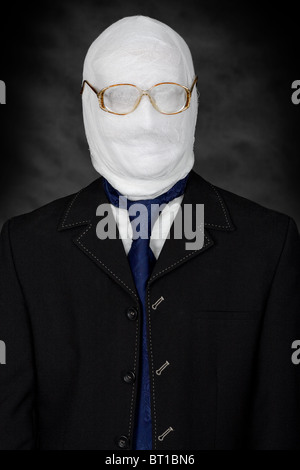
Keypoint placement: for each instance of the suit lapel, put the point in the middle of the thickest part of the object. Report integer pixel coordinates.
(109, 254)
(216, 217)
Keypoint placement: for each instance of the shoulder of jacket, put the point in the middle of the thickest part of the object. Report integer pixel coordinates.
(44, 218)
(252, 211)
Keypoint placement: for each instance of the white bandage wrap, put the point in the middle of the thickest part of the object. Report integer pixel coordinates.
(144, 153)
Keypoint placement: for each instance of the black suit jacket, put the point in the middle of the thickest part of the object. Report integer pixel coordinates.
(70, 319)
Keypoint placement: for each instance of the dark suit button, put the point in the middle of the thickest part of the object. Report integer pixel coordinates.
(123, 442)
(132, 313)
(129, 377)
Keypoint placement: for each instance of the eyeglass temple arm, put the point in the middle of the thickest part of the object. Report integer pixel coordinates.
(91, 86)
(194, 83)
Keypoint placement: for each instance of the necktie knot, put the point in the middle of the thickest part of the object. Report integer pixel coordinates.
(145, 211)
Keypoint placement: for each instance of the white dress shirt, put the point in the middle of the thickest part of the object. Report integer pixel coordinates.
(160, 229)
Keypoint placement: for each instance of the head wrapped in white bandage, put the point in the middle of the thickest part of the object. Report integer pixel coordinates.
(144, 153)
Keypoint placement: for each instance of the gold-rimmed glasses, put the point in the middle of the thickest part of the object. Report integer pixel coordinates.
(124, 98)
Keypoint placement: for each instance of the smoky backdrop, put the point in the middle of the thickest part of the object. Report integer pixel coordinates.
(246, 57)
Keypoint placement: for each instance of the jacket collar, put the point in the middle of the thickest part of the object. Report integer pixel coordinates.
(109, 254)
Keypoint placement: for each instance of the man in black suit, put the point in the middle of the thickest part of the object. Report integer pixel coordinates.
(115, 343)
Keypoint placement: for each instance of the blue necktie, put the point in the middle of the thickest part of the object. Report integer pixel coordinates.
(142, 260)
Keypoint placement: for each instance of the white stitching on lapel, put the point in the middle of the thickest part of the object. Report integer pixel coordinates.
(99, 261)
(68, 211)
(223, 208)
(181, 259)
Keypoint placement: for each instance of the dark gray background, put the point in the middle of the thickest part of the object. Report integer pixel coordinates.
(247, 138)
